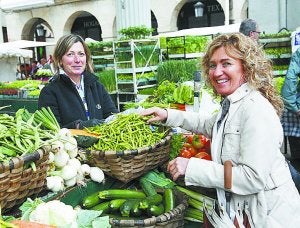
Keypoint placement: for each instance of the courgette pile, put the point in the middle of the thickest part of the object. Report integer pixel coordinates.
(131, 203)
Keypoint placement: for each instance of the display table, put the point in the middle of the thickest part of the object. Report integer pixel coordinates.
(16, 103)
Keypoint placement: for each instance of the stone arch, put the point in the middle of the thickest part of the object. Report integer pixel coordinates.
(85, 24)
(214, 14)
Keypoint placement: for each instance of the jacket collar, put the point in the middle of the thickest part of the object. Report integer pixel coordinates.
(240, 93)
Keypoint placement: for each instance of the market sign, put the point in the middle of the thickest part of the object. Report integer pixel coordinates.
(12, 5)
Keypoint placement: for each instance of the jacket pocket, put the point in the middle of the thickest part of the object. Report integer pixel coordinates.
(231, 143)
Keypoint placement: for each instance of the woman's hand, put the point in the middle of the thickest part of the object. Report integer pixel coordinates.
(159, 114)
(177, 167)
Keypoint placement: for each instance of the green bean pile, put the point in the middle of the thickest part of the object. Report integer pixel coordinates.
(126, 132)
(22, 134)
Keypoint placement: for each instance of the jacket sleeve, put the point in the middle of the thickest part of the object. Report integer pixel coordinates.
(192, 121)
(290, 86)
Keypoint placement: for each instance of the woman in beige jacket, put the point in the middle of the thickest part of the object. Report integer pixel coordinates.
(250, 135)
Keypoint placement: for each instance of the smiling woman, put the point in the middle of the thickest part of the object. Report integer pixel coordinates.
(237, 69)
(75, 95)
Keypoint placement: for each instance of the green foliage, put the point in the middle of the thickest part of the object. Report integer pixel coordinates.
(135, 32)
(278, 83)
(176, 144)
(177, 70)
(100, 47)
(107, 78)
(277, 51)
(188, 44)
(283, 33)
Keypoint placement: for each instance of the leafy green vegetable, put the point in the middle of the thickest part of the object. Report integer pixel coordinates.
(177, 142)
(85, 218)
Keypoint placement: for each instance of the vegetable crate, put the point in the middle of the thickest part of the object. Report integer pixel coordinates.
(22, 177)
(130, 164)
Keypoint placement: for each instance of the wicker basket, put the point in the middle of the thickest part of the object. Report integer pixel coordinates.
(174, 218)
(130, 164)
(19, 181)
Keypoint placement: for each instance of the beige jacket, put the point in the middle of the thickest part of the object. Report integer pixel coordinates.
(251, 137)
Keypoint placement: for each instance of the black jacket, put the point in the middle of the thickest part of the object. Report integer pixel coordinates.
(63, 99)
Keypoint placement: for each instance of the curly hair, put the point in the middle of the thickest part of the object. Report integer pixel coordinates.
(257, 68)
(64, 44)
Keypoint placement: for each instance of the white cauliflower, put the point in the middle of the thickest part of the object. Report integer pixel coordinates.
(54, 213)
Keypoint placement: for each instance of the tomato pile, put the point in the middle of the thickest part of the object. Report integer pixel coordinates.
(196, 145)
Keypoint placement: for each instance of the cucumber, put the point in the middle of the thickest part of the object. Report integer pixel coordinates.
(128, 205)
(150, 200)
(116, 204)
(104, 207)
(156, 210)
(121, 194)
(169, 200)
(147, 187)
(91, 200)
(135, 210)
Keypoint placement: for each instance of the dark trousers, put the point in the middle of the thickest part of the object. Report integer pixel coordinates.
(294, 147)
(295, 175)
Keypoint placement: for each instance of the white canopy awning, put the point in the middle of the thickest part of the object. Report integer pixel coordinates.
(24, 4)
(26, 44)
(6, 52)
(203, 31)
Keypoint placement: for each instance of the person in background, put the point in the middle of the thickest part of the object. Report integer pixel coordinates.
(247, 132)
(249, 27)
(44, 64)
(34, 69)
(75, 95)
(291, 97)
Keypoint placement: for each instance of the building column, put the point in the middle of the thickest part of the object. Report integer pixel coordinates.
(132, 13)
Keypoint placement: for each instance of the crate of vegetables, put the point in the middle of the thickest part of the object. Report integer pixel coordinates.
(127, 146)
(24, 155)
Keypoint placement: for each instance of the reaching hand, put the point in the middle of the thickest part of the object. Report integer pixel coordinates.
(177, 167)
(159, 114)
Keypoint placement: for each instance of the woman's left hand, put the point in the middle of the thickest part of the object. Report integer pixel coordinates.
(177, 167)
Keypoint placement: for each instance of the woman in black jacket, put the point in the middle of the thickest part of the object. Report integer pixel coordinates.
(75, 95)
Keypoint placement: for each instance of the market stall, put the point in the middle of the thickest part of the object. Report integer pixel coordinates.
(10, 57)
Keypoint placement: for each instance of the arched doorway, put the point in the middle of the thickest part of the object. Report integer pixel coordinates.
(87, 26)
(213, 15)
(154, 24)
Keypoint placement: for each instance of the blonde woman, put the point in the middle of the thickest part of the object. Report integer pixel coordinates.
(249, 135)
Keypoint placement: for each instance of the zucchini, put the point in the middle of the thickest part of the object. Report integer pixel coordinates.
(150, 200)
(169, 200)
(147, 187)
(104, 207)
(116, 204)
(91, 200)
(156, 210)
(121, 194)
(128, 205)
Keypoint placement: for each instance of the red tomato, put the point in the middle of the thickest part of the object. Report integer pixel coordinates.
(203, 155)
(189, 139)
(207, 145)
(184, 152)
(199, 141)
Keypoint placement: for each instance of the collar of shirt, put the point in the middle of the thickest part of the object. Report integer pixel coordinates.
(240, 92)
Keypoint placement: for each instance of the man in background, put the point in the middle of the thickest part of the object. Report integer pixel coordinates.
(249, 27)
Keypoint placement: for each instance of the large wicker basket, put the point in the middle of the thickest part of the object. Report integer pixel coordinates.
(174, 218)
(130, 164)
(18, 180)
